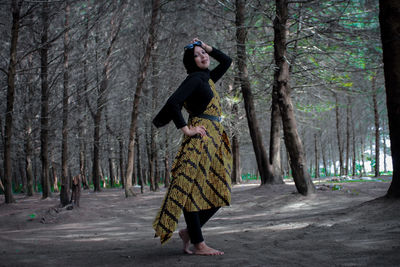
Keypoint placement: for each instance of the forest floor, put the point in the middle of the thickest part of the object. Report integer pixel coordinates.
(264, 226)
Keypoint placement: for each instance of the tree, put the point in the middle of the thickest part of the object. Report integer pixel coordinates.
(389, 18)
(11, 73)
(44, 116)
(293, 143)
(144, 63)
(64, 194)
(264, 166)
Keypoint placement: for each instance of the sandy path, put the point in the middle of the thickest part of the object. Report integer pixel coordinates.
(268, 226)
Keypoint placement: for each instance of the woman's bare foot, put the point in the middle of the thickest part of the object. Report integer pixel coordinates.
(203, 249)
(184, 235)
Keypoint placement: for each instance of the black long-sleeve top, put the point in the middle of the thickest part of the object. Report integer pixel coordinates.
(194, 91)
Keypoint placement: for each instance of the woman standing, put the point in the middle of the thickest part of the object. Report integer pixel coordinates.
(201, 171)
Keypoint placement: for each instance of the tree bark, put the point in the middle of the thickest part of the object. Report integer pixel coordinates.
(340, 147)
(139, 86)
(293, 143)
(354, 171)
(347, 168)
(64, 194)
(275, 137)
(139, 165)
(236, 176)
(102, 99)
(44, 119)
(263, 164)
(377, 130)
(166, 162)
(82, 121)
(15, 9)
(316, 153)
(389, 18)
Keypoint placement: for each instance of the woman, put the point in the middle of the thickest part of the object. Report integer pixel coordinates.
(201, 181)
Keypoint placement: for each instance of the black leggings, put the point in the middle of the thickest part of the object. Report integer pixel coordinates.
(195, 220)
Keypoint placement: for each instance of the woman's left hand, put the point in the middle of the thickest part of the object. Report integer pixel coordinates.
(203, 45)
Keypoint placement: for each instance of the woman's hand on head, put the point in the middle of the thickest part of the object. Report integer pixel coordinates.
(203, 45)
(190, 131)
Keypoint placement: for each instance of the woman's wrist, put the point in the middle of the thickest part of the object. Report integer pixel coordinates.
(208, 48)
(185, 129)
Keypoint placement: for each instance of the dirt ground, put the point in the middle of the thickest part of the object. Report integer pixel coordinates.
(264, 226)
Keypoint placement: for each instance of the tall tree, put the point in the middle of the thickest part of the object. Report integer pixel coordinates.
(263, 163)
(44, 116)
(377, 126)
(293, 143)
(389, 18)
(144, 63)
(116, 23)
(11, 73)
(64, 194)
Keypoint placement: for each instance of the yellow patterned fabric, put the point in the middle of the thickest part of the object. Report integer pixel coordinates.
(201, 173)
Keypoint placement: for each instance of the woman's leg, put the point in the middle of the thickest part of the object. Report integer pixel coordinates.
(194, 222)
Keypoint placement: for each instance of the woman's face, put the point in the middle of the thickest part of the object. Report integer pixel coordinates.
(201, 58)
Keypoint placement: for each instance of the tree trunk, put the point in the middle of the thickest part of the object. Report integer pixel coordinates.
(236, 175)
(293, 143)
(139, 165)
(384, 147)
(121, 160)
(263, 164)
(348, 136)
(324, 162)
(102, 98)
(340, 147)
(64, 194)
(316, 153)
(139, 86)
(390, 23)
(166, 161)
(15, 9)
(363, 171)
(150, 158)
(44, 119)
(275, 137)
(377, 131)
(354, 171)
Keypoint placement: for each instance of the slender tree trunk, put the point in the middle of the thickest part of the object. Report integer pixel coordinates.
(102, 99)
(236, 175)
(139, 165)
(150, 159)
(139, 86)
(275, 137)
(316, 152)
(363, 171)
(348, 136)
(354, 171)
(263, 164)
(29, 114)
(389, 24)
(293, 143)
(121, 159)
(324, 162)
(15, 9)
(82, 121)
(340, 147)
(384, 147)
(166, 161)
(44, 119)
(377, 130)
(64, 195)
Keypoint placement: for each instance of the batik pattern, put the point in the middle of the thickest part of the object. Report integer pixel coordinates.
(200, 174)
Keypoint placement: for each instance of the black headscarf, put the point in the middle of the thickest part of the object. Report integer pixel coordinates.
(188, 61)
